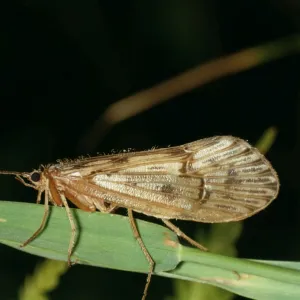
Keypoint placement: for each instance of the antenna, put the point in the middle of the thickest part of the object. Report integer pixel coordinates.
(12, 173)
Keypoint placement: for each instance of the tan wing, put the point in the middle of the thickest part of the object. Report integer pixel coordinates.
(217, 179)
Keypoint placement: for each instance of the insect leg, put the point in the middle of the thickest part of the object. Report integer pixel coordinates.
(18, 177)
(109, 209)
(103, 206)
(73, 228)
(45, 217)
(144, 249)
(183, 235)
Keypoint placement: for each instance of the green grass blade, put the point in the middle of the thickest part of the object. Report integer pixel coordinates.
(106, 240)
(244, 284)
(253, 279)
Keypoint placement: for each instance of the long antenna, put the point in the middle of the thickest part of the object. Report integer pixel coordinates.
(11, 173)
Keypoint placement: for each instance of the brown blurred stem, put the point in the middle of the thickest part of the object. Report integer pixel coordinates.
(193, 78)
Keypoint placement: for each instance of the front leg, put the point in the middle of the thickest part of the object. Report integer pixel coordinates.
(18, 177)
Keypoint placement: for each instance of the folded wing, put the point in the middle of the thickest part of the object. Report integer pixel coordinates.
(217, 179)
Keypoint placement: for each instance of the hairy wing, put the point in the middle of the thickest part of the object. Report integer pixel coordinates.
(216, 179)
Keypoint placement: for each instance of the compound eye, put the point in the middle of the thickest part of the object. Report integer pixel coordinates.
(35, 177)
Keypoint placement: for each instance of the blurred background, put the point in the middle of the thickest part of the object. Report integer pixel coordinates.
(63, 63)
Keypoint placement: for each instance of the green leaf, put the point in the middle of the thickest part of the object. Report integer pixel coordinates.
(249, 278)
(106, 240)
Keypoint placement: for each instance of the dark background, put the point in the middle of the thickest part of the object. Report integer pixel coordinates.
(64, 62)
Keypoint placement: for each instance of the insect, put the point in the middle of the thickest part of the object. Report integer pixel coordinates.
(213, 180)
